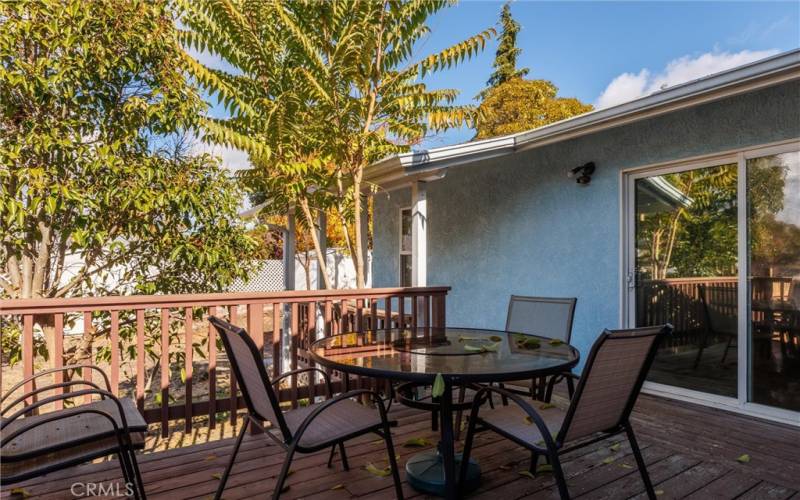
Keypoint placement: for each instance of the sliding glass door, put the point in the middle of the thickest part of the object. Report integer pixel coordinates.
(685, 258)
(773, 250)
(714, 249)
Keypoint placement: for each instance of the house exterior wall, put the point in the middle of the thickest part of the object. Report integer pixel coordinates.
(517, 225)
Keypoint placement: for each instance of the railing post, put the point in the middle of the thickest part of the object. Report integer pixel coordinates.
(27, 353)
(439, 320)
(188, 312)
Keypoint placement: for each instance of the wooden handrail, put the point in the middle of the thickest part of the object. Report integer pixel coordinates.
(171, 315)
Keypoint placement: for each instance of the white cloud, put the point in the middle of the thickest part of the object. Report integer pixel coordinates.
(232, 159)
(629, 86)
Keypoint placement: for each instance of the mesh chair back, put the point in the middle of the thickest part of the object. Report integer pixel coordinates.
(611, 380)
(248, 366)
(544, 316)
(721, 305)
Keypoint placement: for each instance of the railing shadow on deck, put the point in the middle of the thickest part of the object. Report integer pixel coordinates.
(129, 331)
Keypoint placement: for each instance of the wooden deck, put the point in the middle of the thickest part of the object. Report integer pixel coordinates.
(691, 451)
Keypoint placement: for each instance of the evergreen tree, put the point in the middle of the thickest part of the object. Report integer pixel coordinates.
(505, 59)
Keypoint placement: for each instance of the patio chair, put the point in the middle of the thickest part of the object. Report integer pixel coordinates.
(547, 317)
(34, 444)
(606, 392)
(720, 304)
(302, 430)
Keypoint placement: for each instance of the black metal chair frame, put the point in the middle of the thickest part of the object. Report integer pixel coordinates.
(125, 447)
(554, 445)
(288, 441)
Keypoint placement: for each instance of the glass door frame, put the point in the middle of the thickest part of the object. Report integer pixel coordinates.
(628, 177)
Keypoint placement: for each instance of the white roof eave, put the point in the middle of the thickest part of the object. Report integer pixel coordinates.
(770, 71)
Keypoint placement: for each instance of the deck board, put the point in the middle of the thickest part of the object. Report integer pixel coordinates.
(691, 452)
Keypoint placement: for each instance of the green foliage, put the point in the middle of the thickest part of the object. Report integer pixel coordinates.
(92, 97)
(321, 90)
(518, 105)
(505, 59)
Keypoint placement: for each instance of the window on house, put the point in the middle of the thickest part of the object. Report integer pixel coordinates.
(405, 247)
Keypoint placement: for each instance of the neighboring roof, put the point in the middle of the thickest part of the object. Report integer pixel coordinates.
(428, 164)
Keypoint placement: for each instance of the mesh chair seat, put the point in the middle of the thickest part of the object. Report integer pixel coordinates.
(512, 420)
(334, 423)
(57, 460)
(81, 431)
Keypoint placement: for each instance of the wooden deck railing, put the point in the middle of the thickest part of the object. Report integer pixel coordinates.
(130, 331)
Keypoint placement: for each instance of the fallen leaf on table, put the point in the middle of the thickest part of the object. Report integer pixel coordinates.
(555, 342)
(492, 347)
(417, 442)
(544, 468)
(614, 447)
(546, 406)
(474, 348)
(608, 460)
(463, 338)
(743, 459)
(527, 473)
(495, 338)
(217, 475)
(378, 472)
(339, 486)
(21, 491)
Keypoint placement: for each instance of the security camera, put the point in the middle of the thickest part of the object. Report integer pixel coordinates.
(582, 174)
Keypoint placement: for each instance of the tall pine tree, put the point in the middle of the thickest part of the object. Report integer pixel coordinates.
(512, 103)
(505, 59)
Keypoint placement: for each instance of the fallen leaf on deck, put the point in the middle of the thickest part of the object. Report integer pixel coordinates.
(659, 492)
(217, 475)
(21, 491)
(378, 472)
(614, 447)
(626, 466)
(289, 473)
(608, 460)
(285, 488)
(339, 486)
(377, 441)
(505, 467)
(417, 442)
(544, 468)
(539, 442)
(546, 406)
(527, 473)
(528, 420)
(743, 459)
(210, 457)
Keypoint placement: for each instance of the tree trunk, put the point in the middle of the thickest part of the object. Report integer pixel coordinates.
(358, 254)
(315, 239)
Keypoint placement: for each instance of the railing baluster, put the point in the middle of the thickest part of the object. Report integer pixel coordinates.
(234, 317)
(88, 331)
(387, 322)
(426, 314)
(414, 311)
(140, 371)
(58, 356)
(165, 372)
(188, 312)
(27, 353)
(311, 336)
(373, 314)
(401, 312)
(295, 333)
(115, 353)
(276, 339)
(212, 370)
(328, 318)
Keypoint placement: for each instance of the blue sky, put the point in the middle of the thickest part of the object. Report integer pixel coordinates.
(606, 52)
(583, 47)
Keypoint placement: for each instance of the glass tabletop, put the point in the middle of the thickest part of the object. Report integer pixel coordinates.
(466, 354)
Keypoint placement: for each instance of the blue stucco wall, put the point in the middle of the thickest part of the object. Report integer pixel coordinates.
(518, 225)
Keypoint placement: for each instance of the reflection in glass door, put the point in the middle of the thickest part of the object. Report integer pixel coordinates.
(773, 245)
(685, 273)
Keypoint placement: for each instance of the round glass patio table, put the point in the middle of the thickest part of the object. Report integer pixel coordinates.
(459, 355)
